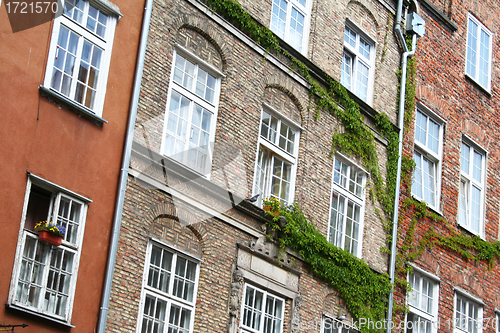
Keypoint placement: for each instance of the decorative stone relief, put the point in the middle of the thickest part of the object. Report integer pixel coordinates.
(244, 259)
(235, 301)
(296, 310)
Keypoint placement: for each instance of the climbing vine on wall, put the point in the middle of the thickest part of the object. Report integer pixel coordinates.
(364, 291)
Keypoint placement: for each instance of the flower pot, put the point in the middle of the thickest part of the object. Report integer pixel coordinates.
(49, 238)
(272, 211)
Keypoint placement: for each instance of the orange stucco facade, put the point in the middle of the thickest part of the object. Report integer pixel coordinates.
(41, 137)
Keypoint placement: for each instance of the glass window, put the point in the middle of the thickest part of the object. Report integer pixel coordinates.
(347, 207)
(45, 275)
(468, 315)
(79, 54)
(479, 48)
(169, 292)
(276, 159)
(357, 63)
(428, 158)
(423, 303)
(262, 311)
(289, 19)
(190, 117)
(471, 192)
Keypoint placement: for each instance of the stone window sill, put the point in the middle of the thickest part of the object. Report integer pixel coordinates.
(71, 105)
(34, 313)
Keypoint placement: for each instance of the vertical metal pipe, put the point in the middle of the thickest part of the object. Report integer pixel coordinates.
(407, 53)
(122, 185)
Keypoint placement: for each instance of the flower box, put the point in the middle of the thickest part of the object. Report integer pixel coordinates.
(49, 237)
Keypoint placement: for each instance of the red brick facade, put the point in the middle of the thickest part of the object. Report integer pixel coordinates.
(469, 113)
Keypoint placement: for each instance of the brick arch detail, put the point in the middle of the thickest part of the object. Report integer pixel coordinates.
(476, 132)
(208, 31)
(468, 282)
(287, 86)
(368, 9)
(431, 262)
(433, 101)
(168, 210)
(482, 13)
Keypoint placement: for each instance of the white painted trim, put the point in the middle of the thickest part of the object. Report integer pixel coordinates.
(469, 296)
(371, 62)
(360, 201)
(75, 248)
(469, 299)
(480, 27)
(432, 317)
(168, 297)
(263, 316)
(39, 181)
(106, 44)
(211, 107)
(275, 150)
(268, 108)
(428, 154)
(173, 248)
(424, 273)
(202, 63)
(473, 182)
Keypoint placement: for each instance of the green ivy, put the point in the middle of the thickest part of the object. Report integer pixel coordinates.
(363, 290)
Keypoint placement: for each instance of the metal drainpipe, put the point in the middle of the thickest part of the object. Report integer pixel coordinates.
(407, 53)
(122, 186)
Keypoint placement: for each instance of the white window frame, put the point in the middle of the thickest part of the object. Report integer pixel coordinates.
(275, 151)
(167, 296)
(336, 326)
(459, 323)
(422, 278)
(471, 182)
(474, 74)
(350, 197)
(74, 247)
(105, 43)
(428, 155)
(189, 94)
(357, 58)
(286, 35)
(247, 329)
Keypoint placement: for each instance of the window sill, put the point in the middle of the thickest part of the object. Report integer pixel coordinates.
(34, 313)
(470, 231)
(474, 81)
(432, 208)
(70, 105)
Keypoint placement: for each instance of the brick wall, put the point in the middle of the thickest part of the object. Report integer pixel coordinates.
(249, 81)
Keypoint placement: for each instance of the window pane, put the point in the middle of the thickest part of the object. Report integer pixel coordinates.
(484, 59)
(477, 166)
(296, 29)
(464, 158)
(278, 17)
(463, 199)
(346, 76)
(153, 320)
(471, 48)
(429, 181)
(421, 128)
(362, 81)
